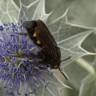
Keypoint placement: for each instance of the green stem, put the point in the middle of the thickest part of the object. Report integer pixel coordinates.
(83, 63)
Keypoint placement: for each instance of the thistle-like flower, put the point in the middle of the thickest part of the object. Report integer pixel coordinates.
(18, 66)
(20, 71)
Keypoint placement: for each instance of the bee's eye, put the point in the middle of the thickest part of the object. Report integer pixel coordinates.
(34, 34)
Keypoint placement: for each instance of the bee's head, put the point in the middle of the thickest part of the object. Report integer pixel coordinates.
(30, 25)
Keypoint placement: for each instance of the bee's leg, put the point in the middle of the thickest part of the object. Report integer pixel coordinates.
(23, 55)
(22, 33)
(66, 59)
(66, 77)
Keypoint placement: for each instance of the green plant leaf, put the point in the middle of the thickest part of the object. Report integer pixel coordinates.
(82, 12)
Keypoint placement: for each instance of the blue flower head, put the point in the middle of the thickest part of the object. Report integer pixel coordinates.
(17, 64)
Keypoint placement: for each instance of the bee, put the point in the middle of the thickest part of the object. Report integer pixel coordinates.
(41, 37)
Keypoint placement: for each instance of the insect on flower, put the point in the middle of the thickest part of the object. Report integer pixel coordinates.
(50, 53)
(20, 65)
